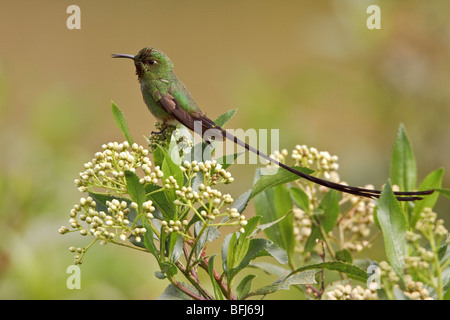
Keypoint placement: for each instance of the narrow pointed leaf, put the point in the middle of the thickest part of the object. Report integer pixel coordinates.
(393, 225)
(242, 201)
(217, 292)
(149, 238)
(305, 277)
(432, 181)
(270, 268)
(173, 293)
(244, 286)
(445, 192)
(121, 122)
(101, 199)
(350, 270)
(265, 226)
(265, 182)
(326, 216)
(225, 245)
(225, 117)
(403, 162)
(273, 204)
(259, 248)
(300, 198)
(135, 189)
(160, 201)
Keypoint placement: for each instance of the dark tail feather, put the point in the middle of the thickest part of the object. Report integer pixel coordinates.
(368, 193)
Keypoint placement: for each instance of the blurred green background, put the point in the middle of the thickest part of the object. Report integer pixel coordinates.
(309, 68)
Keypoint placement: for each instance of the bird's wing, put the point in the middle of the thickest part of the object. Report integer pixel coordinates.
(188, 119)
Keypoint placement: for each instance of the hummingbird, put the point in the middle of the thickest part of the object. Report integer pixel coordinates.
(170, 102)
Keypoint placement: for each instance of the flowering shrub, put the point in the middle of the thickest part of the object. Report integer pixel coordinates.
(171, 206)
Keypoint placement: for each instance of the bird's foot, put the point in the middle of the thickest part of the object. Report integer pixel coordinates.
(161, 131)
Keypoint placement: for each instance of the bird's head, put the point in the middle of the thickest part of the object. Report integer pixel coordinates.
(150, 63)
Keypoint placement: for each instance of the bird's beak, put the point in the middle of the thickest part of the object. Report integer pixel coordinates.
(118, 55)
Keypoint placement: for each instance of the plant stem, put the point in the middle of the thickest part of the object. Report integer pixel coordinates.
(223, 287)
(194, 282)
(186, 291)
(437, 266)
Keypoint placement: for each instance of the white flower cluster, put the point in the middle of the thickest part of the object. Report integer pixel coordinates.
(302, 228)
(204, 194)
(357, 223)
(279, 156)
(107, 169)
(429, 224)
(415, 290)
(106, 226)
(322, 160)
(387, 273)
(212, 171)
(174, 226)
(215, 200)
(346, 292)
(211, 200)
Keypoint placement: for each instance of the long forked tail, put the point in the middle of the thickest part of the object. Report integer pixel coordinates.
(368, 193)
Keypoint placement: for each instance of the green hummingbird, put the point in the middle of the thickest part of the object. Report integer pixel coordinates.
(170, 102)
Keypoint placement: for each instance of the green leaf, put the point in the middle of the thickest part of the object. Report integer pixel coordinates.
(393, 225)
(329, 207)
(270, 268)
(265, 226)
(225, 117)
(176, 246)
(244, 286)
(399, 294)
(168, 268)
(242, 201)
(300, 198)
(149, 238)
(264, 182)
(305, 277)
(160, 201)
(251, 227)
(432, 181)
(273, 204)
(276, 252)
(225, 246)
(100, 201)
(231, 256)
(256, 248)
(173, 151)
(445, 192)
(344, 255)
(217, 292)
(208, 235)
(443, 252)
(350, 270)
(447, 295)
(135, 189)
(240, 249)
(263, 247)
(158, 156)
(169, 168)
(403, 162)
(121, 122)
(173, 293)
(326, 216)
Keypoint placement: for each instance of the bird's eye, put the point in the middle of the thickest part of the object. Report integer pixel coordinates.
(150, 62)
